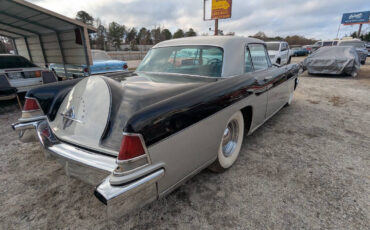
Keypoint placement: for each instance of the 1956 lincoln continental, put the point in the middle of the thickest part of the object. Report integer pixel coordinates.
(139, 136)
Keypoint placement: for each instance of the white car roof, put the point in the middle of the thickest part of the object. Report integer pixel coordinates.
(233, 46)
(220, 41)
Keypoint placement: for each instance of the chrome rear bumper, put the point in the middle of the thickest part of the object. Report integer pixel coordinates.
(136, 190)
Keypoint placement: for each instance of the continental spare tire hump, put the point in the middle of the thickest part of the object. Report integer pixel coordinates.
(82, 117)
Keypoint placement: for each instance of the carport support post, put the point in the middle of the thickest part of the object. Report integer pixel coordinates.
(15, 46)
(43, 51)
(83, 32)
(28, 48)
(62, 53)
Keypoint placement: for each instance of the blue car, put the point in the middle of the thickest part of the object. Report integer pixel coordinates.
(299, 51)
(102, 63)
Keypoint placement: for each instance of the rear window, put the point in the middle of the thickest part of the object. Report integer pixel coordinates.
(273, 46)
(328, 43)
(193, 60)
(9, 62)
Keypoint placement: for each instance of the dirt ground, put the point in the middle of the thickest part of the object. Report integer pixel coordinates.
(306, 168)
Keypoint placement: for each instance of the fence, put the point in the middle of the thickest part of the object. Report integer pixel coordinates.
(127, 55)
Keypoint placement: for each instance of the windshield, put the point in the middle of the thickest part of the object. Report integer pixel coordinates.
(355, 44)
(100, 56)
(273, 46)
(8, 62)
(194, 60)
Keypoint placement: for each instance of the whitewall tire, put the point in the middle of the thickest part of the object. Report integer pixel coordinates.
(230, 143)
(290, 100)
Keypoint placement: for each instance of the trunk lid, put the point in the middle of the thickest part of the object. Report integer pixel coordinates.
(95, 111)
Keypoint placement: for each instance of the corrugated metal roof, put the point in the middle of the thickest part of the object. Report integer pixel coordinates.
(22, 19)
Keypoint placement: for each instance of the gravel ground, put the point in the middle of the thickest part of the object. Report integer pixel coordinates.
(306, 168)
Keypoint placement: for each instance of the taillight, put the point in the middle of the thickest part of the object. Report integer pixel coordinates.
(38, 74)
(125, 66)
(131, 147)
(30, 104)
(86, 70)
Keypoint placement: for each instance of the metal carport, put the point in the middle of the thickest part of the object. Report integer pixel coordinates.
(44, 36)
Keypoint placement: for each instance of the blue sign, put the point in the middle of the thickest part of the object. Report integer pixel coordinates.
(356, 18)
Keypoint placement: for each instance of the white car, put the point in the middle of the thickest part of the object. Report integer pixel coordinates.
(20, 72)
(279, 52)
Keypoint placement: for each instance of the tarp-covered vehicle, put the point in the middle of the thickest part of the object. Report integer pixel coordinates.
(333, 60)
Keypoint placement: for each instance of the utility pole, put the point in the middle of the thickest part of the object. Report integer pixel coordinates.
(216, 27)
(359, 31)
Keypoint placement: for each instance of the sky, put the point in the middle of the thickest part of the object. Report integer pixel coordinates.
(318, 19)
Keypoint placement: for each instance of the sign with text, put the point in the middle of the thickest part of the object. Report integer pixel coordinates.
(356, 18)
(221, 9)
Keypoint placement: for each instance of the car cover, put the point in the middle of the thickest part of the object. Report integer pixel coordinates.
(333, 60)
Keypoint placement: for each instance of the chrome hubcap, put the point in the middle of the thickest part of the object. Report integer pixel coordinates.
(230, 138)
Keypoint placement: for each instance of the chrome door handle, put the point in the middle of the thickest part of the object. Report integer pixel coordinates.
(268, 78)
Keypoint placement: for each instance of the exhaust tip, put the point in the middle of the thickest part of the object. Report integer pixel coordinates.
(100, 197)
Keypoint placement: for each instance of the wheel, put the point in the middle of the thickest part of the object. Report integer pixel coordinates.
(362, 62)
(230, 143)
(278, 61)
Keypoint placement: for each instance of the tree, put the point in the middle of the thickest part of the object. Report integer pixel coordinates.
(116, 33)
(131, 35)
(166, 34)
(365, 37)
(101, 34)
(354, 35)
(179, 34)
(144, 37)
(260, 35)
(190, 33)
(156, 35)
(85, 17)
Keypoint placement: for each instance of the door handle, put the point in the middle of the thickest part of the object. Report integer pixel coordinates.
(268, 78)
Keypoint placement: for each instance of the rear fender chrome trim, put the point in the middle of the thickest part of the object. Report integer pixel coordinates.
(25, 125)
(134, 174)
(109, 194)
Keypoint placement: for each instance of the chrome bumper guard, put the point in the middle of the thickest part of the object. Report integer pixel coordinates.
(94, 168)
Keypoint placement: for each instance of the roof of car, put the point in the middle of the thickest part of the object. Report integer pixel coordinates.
(220, 41)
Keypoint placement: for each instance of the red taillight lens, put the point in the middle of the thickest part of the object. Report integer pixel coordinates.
(131, 147)
(30, 104)
(86, 70)
(125, 66)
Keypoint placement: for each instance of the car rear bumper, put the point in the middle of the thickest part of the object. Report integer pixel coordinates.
(96, 169)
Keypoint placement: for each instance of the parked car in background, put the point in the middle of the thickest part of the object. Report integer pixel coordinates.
(279, 52)
(102, 63)
(139, 137)
(20, 72)
(319, 44)
(308, 48)
(299, 51)
(368, 48)
(334, 60)
(359, 46)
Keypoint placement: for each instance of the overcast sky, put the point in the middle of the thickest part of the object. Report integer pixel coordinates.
(310, 18)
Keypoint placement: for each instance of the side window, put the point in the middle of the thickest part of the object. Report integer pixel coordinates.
(259, 56)
(248, 67)
(283, 47)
